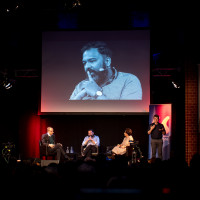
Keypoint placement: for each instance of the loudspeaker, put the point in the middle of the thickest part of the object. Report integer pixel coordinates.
(45, 163)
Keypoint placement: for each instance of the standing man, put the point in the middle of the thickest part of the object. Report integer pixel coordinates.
(90, 144)
(103, 81)
(156, 130)
(48, 140)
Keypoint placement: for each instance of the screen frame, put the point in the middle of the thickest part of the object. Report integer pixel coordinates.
(96, 113)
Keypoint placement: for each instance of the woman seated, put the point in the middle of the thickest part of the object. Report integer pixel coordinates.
(120, 149)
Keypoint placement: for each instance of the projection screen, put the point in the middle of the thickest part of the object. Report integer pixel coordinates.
(95, 71)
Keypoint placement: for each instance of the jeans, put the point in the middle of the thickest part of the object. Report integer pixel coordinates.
(156, 144)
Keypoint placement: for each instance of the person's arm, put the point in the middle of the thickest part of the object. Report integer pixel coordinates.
(86, 88)
(85, 141)
(91, 87)
(79, 96)
(130, 140)
(163, 130)
(54, 139)
(79, 92)
(94, 140)
(44, 140)
(97, 140)
(151, 129)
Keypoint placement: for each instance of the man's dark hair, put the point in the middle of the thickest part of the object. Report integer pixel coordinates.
(91, 130)
(101, 46)
(128, 131)
(156, 116)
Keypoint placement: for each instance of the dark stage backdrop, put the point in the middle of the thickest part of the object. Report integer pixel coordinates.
(71, 129)
(22, 125)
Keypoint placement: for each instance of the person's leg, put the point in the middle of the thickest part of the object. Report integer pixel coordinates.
(59, 150)
(153, 148)
(87, 152)
(59, 146)
(58, 154)
(160, 145)
(63, 152)
(55, 151)
(93, 149)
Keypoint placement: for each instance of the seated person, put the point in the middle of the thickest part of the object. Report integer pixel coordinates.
(48, 140)
(120, 149)
(90, 142)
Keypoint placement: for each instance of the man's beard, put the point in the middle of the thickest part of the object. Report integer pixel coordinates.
(99, 76)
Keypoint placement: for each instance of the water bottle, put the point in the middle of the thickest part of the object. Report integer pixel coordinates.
(67, 151)
(71, 150)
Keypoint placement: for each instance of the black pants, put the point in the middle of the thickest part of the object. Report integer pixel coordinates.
(156, 144)
(89, 150)
(58, 150)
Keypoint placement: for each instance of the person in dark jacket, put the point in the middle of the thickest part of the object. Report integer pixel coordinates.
(48, 140)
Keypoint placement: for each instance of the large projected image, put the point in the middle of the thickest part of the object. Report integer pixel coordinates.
(95, 71)
(104, 82)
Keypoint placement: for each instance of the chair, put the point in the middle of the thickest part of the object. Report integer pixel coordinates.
(44, 152)
(93, 154)
(133, 151)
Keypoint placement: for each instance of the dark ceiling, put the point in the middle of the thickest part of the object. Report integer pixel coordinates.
(174, 28)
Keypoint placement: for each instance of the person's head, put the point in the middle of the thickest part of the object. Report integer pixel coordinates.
(90, 132)
(128, 132)
(96, 59)
(50, 130)
(155, 118)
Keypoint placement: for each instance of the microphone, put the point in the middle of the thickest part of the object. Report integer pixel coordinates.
(102, 69)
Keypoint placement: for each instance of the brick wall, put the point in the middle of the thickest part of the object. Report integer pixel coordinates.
(191, 110)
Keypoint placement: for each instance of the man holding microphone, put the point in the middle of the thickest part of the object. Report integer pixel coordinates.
(156, 130)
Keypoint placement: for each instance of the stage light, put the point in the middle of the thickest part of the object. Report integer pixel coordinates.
(7, 84)
(76, 3)
(176, 85)
(72, 4)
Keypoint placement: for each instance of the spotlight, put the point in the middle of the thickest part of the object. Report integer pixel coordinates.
(76, 3)
(7, 84)
(176, 85)
(5, 81)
